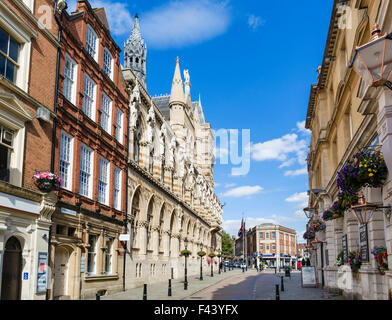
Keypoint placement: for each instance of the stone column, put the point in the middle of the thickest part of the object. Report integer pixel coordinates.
(166, 243)
(142, 236)
(155, 240)
(384, 128)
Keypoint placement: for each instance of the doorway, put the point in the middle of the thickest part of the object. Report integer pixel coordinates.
(61, 260)
(12, 270)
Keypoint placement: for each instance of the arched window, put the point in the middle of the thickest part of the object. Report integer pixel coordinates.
(151, 163)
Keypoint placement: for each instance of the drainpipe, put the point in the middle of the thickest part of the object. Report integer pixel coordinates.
(54, 120)
(126, 206)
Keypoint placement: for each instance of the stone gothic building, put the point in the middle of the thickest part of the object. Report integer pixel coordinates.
(171, 199)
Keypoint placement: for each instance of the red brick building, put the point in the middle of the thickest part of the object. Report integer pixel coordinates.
(28, 56)
(276, 244)
(90, 157)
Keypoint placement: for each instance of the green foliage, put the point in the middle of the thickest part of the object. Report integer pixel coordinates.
(227, 244)
(201, 253)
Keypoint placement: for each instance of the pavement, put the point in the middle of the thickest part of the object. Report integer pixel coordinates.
(159, 291)
(230, 285)
(262, 286)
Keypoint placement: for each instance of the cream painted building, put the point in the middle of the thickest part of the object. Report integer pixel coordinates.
(345, 116)
(171, 198)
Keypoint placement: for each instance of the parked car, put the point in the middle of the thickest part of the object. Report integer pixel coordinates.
(237, 265)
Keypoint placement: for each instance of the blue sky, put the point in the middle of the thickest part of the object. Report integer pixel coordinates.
(253, 63)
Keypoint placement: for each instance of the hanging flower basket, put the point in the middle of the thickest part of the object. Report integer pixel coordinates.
(309, 234)
(47, 181)
(201, 253)
(365, 169)
(355, 260)
(186, 253)
(317, 226)
(212, 255)
(381, 256)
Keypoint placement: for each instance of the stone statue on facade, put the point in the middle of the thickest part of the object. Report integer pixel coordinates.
(134, 105)
(162, 140)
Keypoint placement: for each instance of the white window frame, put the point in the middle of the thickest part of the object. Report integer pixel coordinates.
(67, 185)
(106, 53)
(106, 115)
(119, 125)
(67, 79)
(96, 45)
(24, 35)
(102, 180)
(90, 173)
(89, 97)
(109, 254)
(94, 252)
(117, 188)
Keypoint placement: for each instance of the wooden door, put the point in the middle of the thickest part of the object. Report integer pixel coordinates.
(60, 272)
(12, 270)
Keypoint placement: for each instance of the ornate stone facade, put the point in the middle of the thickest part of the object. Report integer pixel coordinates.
(171, 199)
(346, 116)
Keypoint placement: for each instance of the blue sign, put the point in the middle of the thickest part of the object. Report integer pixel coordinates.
(26, 276)
(41, 272)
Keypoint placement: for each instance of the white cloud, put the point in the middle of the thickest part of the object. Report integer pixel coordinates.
(301, 199)
(295, 173)
(288, 163)
(117, 13)
(233, 226)
(216, 185)
(301, 128)
(279, 149)
(230, 185)
(254, 22)
(243, 191)
(178, 24)
(172, 25)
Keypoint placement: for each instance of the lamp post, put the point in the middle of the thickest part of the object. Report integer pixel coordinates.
(212, 256)
(373, 60)
(220, 261)
(309, 212)
(201, 255)
(186, 256)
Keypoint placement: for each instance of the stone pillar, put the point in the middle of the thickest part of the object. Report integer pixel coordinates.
(155, 240)
(142, 237)
(166, 243)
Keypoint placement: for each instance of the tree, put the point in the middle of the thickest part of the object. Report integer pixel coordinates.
(227, 244)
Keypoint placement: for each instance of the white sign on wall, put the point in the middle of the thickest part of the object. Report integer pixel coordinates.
(308, 277)
(125, 237)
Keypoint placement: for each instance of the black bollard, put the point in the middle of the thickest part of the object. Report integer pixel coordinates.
(172, 273)
(170, 289)
(97, 296)
(145, 292)
(277, 292)
(281, 284)
(275, 270)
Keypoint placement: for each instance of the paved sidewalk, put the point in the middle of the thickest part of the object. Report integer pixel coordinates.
(294, 291)
(159, 291)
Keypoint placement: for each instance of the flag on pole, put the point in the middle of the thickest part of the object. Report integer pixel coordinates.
(240, 233)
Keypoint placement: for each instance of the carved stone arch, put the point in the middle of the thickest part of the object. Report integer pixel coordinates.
(137, 192)
(20, 236)
(173, 222)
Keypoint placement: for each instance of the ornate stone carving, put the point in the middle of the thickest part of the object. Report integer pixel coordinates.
(48, 205)
(142, 224)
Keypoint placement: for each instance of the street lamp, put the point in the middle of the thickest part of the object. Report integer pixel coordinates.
(363, 211)
(201, 254)
(309, 212)
(373, 60)
(186, 256)
(220, 261)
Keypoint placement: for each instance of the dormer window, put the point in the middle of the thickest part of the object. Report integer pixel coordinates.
(92, 42)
